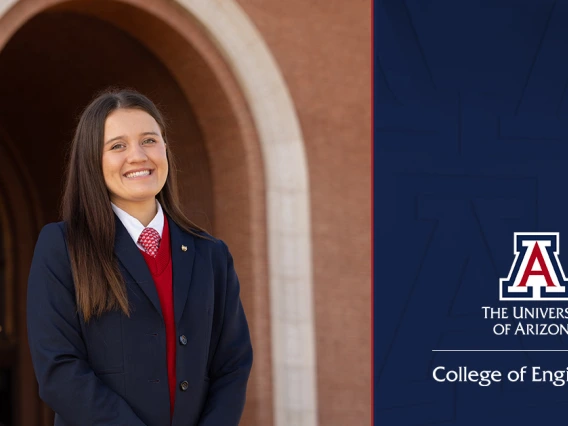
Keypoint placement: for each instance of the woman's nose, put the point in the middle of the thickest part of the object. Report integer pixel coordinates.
(137, 154)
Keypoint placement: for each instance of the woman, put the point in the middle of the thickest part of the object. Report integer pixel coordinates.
(134, 315)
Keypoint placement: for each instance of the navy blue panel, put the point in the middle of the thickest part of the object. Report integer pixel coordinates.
(471, 142)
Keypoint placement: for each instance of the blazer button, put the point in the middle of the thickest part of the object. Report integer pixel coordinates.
(183, 340)
(184, 385)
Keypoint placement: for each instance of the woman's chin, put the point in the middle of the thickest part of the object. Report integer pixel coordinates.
(135, 198)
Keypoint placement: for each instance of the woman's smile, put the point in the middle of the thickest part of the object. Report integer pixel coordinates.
(138, 174)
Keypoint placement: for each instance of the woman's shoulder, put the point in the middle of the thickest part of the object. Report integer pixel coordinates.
(52, 226)
(205, 241)
(51, 249)
(210, 247)
(51, 239)
(53, 231)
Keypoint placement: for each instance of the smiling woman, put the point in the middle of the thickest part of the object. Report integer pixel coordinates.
(134, 313)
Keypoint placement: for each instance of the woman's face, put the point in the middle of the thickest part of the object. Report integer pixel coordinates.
(135, 166)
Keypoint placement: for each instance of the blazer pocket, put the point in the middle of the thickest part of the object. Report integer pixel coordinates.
(115, 381)
(104, 341)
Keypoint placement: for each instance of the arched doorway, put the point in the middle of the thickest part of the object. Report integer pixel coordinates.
(243, 170)
(8, 347)
(20, 219)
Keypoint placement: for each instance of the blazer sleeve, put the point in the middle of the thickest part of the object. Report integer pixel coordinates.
(232, 360)
(66, 381)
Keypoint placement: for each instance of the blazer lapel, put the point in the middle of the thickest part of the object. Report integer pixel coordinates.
(183, 256)
(129, 255)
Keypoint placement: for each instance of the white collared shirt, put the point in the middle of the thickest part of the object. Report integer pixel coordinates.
(135, 227)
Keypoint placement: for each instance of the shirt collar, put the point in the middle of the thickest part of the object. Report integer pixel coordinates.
(134, 226)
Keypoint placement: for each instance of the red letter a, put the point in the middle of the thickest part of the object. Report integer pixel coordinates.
(536, 254)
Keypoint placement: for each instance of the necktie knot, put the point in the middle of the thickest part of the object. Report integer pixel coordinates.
(150, 240)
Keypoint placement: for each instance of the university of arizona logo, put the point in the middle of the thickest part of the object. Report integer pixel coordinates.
(536, 273)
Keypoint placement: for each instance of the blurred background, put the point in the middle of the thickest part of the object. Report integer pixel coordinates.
(269, 107)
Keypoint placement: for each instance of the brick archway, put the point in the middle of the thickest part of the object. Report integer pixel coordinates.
(258, 170)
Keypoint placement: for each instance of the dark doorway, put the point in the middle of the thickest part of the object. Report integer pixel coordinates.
(7, 349)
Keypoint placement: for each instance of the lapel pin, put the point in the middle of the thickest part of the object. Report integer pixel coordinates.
(183, 248)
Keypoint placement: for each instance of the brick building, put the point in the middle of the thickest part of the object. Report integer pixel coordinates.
(269, 106)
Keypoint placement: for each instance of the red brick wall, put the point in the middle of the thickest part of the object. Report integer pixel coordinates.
(324, 51)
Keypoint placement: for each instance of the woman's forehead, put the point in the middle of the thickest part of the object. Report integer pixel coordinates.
(129, 121)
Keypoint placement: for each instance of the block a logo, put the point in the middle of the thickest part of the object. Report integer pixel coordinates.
(536, 272)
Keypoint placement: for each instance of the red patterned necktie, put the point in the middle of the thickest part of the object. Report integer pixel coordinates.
(150, 240)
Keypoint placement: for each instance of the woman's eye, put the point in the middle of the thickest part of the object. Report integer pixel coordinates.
(117, 146)
(149, 141)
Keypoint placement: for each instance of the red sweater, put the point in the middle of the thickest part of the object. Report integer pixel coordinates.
(161, 270)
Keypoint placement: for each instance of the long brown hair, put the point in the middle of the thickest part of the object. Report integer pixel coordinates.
(87, 211)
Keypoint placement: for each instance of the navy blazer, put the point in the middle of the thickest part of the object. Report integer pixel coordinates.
(113, 370)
